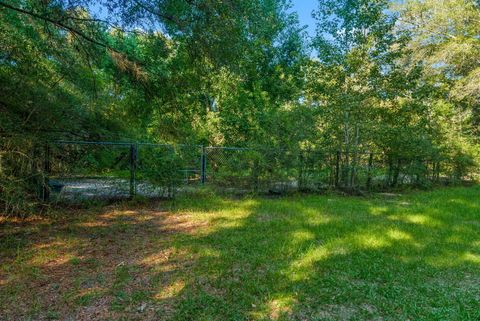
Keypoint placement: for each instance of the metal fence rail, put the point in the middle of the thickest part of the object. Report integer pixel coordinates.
(83, 170)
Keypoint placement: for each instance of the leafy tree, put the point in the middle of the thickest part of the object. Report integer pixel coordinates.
(399, 80)
(444, 39)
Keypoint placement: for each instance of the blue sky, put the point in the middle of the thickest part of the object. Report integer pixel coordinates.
(304, 9)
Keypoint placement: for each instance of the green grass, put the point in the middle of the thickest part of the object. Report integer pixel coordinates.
(389, 257)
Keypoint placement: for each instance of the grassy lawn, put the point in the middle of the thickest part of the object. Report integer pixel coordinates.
(389, 257)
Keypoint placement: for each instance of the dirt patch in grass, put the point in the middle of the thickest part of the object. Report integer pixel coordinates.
(336, 312)
(92, 266)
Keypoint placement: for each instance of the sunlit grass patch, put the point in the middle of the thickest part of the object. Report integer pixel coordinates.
(206, 257)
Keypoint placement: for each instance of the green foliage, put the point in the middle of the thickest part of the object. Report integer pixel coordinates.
(394, 79)
(444, 37)
(373, 94)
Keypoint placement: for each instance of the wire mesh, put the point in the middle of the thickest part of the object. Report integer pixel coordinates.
(267, 170)
(120, 170)
(163, 169)
(84, 171)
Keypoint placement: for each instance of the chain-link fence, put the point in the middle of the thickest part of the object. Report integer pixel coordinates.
(82, 170)
(90, 170)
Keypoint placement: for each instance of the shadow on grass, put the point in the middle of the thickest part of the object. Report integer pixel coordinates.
(298, 258)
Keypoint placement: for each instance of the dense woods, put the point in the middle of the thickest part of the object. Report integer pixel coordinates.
(401, 78)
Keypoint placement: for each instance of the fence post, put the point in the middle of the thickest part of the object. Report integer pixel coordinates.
(46, 173)
(255, 175)
(439, 168)
(133, 170)
(301, 174)
(337, 169)
(369, 171)
(203, 173)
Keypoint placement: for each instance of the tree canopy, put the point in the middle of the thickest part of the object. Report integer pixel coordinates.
(401, 78)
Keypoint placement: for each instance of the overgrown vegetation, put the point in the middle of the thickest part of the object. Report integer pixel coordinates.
(391, 257)
(397, 79)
